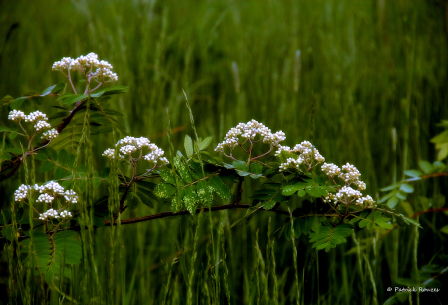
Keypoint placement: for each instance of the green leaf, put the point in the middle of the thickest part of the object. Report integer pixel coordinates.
(4, 128)
(407, 188)
(413, 173)
(205, 143)
(288, 190)
(392, 202)
(96, 181)
(204, 192)
(167, 176)
(426, 166)
(374, 219)
(58, 88)
(219, 187)
(164, 190)
(75, 98)
(329, 237)
(241, 165)
(182, 170)
(256, 168)
(63, 157)
(444, 229)
(401, 219)
(18, 102)
(191, 199)
(188, 144)
(269, 197)
(110, 91)
(316, 191)
(48, 90)
(47, 166)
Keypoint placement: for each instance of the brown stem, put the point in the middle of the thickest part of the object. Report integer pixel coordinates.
(17, 161)
(185, 212)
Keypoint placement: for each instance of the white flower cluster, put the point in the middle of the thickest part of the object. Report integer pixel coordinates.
(331, 169)
(48, 192)
(89, 62)
(41, 125)
(307, 153)
(249, 131)
(50, 134)
(129, 145)
(35, 117)
(349, 173)
(16, 115)
(347, 195)
(55, 214)
(22, 192)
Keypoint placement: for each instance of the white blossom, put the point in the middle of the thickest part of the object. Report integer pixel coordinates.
(49, 214)
(22, 192)
(70, 196)
(330, 169)
(65, 214)
(50, 134)
(40, 125)
(36, 116)
(63, 64)
(249, 131)
(110, 153)
(16, 115)
(129, 145)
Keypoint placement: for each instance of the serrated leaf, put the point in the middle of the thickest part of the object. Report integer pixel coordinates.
(425, 166)
(444, 229)
(18, 102)
(392, 202)
(182, 170)
(256, 168)
(164, 190)
(188, 144)
(96, 181)
(48, 90)
(110, 91)
(205, 143)
(317, 191)
(407, 188)
(373, 219)
(63, 157)
(413, 173)
(329, 237)
(241, 166)
(219, 187)
(74, 99)
(191, 199)
(167, 176)
(47, 166)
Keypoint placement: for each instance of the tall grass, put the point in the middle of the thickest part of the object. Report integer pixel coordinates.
(357, 69)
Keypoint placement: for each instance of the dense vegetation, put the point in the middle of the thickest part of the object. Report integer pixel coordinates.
(364, 82)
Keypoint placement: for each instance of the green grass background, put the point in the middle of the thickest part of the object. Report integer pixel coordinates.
(344, 74)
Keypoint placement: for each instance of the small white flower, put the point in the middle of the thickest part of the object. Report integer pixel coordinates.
(50, 134)
(330, 169)
(65, 214)
(250, 131)
(41, 125)
(16, 115)
(110, 153)
(22, 192)
(70, 196)
(36, 116)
